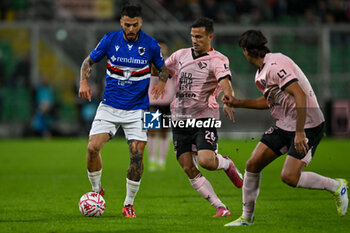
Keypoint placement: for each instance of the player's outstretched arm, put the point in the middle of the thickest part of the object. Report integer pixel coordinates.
(85, 72)
(259, 103)
(158, 90)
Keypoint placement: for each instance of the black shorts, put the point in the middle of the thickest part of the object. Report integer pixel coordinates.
(164, 109)
(194, 139)
(281, 141)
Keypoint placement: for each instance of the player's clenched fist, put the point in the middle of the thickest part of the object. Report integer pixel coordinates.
(229, 100)
(85, 90)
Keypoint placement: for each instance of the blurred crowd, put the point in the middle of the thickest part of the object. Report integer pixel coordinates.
(257, 11)
(222, 11)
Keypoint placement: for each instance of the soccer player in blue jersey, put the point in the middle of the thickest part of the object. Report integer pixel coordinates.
(130, 53)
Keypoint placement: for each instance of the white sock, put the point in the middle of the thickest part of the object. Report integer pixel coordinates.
(251, 188)
(248, 216)
(313, 180)
(205, 189)
(222, 162)
(95, 180)
(335, 186)
(131, 190)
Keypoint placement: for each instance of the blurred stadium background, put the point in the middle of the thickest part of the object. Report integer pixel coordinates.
(43, 43)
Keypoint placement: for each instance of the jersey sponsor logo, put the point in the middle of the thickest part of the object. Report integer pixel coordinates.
(132, 60)
(113, 58)
(185, 81)
(151, 120)
(185, 95)
(141, 50)
(202, 65)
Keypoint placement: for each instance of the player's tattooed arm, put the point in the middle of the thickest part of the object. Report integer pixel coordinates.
(85, 72)
(158, 90)
(163, 74)
(136, 166)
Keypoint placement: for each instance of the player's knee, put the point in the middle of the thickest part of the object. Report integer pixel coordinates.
(252, 166)
(191, 171)
(93, 149)
(203, 161)
(136, 146)
(289, 178)
(207, 162)
(141, 146)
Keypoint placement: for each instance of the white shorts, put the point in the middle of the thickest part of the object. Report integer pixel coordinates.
(108, 120)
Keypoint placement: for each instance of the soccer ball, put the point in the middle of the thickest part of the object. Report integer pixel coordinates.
(92, 204)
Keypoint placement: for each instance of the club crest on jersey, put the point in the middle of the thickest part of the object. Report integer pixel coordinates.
(202, 65)
(127, 74)
(141, 50)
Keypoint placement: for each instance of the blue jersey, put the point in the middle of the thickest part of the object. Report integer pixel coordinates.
(128, 69)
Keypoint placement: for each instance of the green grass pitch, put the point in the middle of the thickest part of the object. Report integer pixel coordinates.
(42, 180)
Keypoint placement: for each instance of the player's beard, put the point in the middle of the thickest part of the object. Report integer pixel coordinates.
(132, 40)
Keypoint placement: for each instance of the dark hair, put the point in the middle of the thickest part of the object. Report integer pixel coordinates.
(204, 22)
(161, 40)
(131, 10)
(255, 43)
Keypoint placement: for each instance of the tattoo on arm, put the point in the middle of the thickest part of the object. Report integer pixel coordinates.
(163, 74)
(85, 70)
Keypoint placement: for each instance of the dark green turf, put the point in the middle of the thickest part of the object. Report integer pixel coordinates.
(42, 181)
